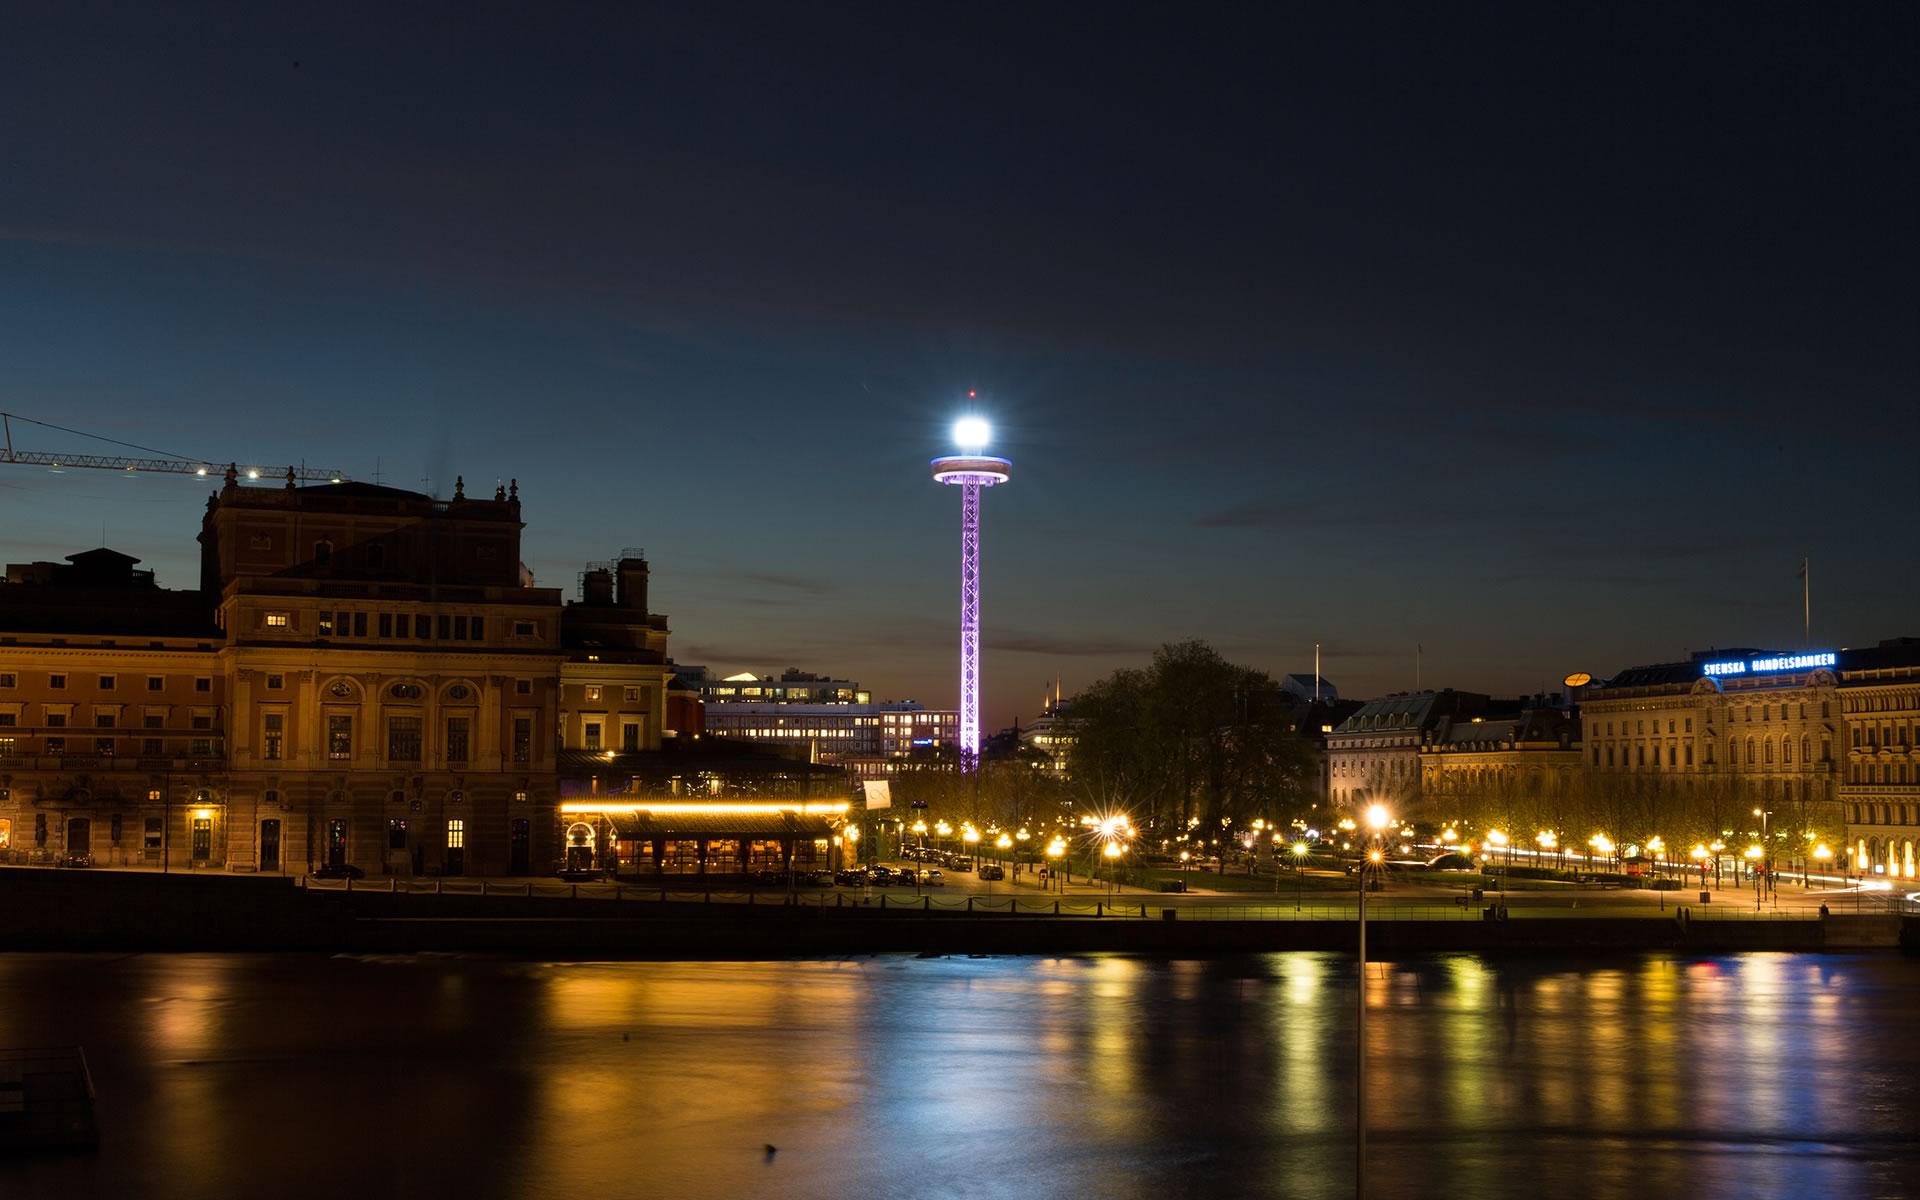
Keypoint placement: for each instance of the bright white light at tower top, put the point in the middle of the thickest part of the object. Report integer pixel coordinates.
(972, 433)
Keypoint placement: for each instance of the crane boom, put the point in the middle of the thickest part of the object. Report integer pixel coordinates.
(115, 462)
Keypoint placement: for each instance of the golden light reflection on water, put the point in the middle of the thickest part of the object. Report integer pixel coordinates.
(990, 1078)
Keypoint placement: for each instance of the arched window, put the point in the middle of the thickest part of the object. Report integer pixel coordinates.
(1806, 748)
(1769, 751)
(1786, 751)
(1751, 759)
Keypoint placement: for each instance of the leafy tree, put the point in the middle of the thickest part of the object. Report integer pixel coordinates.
(1190, 738)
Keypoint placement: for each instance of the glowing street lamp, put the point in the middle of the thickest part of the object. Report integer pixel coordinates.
(1056, 850)
(1377, 820)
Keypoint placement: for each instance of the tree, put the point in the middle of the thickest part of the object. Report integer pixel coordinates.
(1191, 741)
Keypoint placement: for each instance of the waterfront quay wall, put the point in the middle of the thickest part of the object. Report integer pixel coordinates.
(79, 910)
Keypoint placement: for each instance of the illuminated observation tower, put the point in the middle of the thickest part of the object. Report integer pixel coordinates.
(971, 471)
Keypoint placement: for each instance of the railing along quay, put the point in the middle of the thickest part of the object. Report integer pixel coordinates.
(1118, 908)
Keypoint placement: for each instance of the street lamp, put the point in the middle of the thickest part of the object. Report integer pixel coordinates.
(1002, 843)
(1822, 855)
(1299, 873)
(971, 837)
(1699, 855)
(1766, 871)
(1057, 849)
(1377, 820)
(1113, 861)
(1753, 856)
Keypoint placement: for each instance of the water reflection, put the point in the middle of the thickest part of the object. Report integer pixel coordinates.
(232, 1075)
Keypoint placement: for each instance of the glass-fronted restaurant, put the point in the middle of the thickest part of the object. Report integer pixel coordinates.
(707, 816)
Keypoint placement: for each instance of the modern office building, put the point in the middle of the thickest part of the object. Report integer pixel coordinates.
(835, 720)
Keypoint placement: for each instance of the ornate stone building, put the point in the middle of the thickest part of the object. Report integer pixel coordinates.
(1689, 749)
(366, 676)
(1373, 756)
(1477, 770)
(1880, 790)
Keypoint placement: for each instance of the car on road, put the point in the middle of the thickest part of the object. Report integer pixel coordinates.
(907, 877)
(881, 877)
(856, 877)
(338, 871)
(1452, 860)
(960, 863)
(992, 871)
(934, 878)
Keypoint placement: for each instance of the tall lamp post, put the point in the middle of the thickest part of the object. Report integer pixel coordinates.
(1299, 873)
(1003, 843)
(1753, 856)
(1112, 852)
(1766, 856)
(920, 836)
(971, 837)
(1056, 849)
(1377, 820)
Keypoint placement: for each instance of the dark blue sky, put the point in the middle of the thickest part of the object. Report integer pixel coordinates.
(1549, 339)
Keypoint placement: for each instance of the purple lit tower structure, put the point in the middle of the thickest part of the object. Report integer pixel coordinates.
(970, 470)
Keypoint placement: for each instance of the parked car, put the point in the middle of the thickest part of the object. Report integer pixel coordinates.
(992, 871)
(933, 878)
(907, 877)
(339, 871)
(74, 860)
(578, 874)
(881, 877)
(961, 863)
(856, 877)
(1452, 860)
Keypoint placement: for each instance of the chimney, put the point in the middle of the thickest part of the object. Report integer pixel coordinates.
(633, 584)
(596, 586)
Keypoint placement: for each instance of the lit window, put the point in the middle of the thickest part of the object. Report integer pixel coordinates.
(277, 620)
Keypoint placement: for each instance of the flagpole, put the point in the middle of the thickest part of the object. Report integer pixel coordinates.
(1806, 601)
(1316, 672)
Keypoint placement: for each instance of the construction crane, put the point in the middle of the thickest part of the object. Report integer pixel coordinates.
(169, 464)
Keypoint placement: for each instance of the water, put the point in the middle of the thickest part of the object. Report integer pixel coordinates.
(1024, 1079)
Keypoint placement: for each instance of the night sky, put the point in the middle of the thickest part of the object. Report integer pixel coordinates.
(1549, 338)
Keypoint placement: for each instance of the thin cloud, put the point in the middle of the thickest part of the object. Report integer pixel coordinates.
(1020, 642)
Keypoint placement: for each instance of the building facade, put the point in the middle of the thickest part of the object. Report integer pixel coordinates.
(1727, 745)
(366, 677)
(1373, 756)
(836, 720)
(1880, 785)
(1478, 770)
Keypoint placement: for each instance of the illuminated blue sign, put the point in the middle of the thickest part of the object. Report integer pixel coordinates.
(1780, 662)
